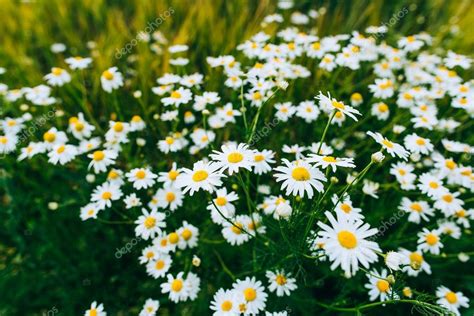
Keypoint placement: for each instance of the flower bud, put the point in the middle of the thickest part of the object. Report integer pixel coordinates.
(378, 157)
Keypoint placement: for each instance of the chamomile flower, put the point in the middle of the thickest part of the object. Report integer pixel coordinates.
(95, 310)
(149, 224)
(78, 62)
(204, 175)
(227, 303)
(453, 301)
(222, 204)
(111, 79)
(131, 201)
(149, 253)
(142, 178)
(175, 287)
(104, 194)
(345, 209)
(169, 197)
(232, 157)
(429, 241)
(378, 286)
(234, 231)
(177, 97)
(415, 262)
(280, 282)
(150, 308)
(332, 105)
(346, 244)
(101, 159)
(418, 145)
(392, 148)
(262, 160)
(62, 154)
(254, 294)
(89, 211)
(299, 178)
(418, 210)
(57, 77)
(159, 265)
(330, 161)
(188, 236)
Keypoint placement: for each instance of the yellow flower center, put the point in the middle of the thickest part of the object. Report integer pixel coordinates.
(416, 207)
(92, 312)
(173, 174)
(329, 159)
(106, 195)
(300, 174)
(173, 238)
(221, 201)
(237, 228)
(175, 95)
(347, 239)
(177, 285)
(257, 95)
(431, 239)
(280, 279)
(118, 127)
(250, 294)
(108, 75)
(150, 222)
(235, 157)
(383, 286)
(420, 141)
(57, 71)
(259, 158)
(98, 156)
(346, 208)
(226, 306)
(186, 234)
(433, 185)
(136, 119)
(200, 175)
(170, 196)
(451, 297)
(112, 174)
(61, 149)
(150, 254)
(338, 105)
(3, 140)
(140, 174)
(450, 164)
(383, 107)
(160, 264)
(49, 137)
(416, 258)
(387, 143)
(448, 198)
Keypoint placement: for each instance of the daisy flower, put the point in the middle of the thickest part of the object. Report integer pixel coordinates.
(149, 224)
(150, 308)
(188, 236)
(378, 286)
(226, 303)
(429, 241)
(142, 178)
(415, 262)
(223, 203)
(330, 161)
(62, 154)
(89, 211)
(175, 287)
(299, 178)
(234, 233)
(204, 175)
(418, 210)
(149, 254)
(232, 157)
(78, 62)
(159, 265)
(392, 148)
(254, 294)
(95, 310)
(330, 105)
(170, 176)
(132, 201)
(104, 194)
(57, 77)
(417, 144)
(177, 97)
(431, 185)
(280, 282)
(345, 209)
(262, 160)
(101, 159)
(346, 244)
(111, 79)
(170, 197)
(451, 300)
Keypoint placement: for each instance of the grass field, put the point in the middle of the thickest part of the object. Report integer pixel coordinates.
(54, 263)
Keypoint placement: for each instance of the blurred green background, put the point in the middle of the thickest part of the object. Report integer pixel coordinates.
(50, 259)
